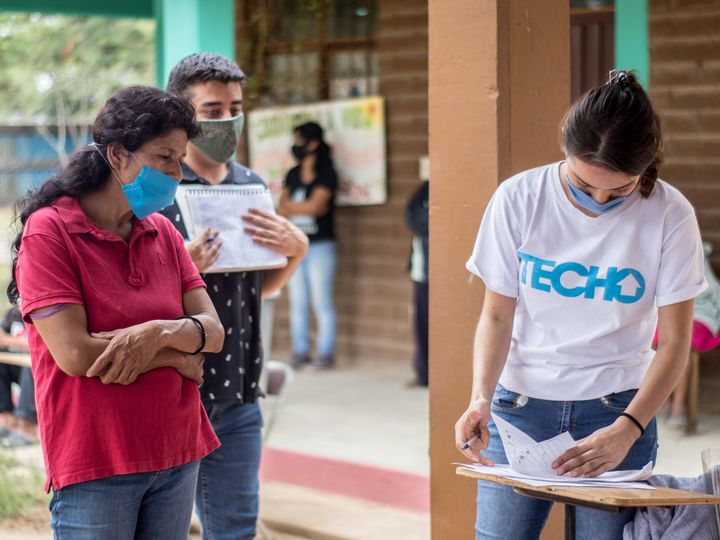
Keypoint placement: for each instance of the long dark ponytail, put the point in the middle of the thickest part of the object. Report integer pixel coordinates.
(614, 126)
(131, 117)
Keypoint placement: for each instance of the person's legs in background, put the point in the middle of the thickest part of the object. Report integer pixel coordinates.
(299, 291)
(8, 374)
(25, 413)
(228, 485)
(421, 333)
(322, 264)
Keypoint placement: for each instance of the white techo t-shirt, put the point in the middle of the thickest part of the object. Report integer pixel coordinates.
(587, 288)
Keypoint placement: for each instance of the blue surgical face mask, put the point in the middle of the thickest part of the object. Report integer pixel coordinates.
(150, 192)
(588, 203)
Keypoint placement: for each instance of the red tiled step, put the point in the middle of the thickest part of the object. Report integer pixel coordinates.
(383, 486)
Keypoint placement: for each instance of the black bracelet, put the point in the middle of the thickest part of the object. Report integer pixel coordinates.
(200, 327)
(634, 421)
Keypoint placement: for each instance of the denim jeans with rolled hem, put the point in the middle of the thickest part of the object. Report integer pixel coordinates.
(312, 284)
(227, 489)
(502, 513)
(142, 506)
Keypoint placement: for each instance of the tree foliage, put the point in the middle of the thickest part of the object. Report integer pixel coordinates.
(58, 70)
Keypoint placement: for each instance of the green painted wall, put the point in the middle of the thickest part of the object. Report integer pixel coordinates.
(632, 48)
(189, 26)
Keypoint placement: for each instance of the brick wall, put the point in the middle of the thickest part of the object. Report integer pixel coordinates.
(685, 86)
(373, 290)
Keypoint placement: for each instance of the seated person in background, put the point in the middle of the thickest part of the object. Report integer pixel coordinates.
(705, 338)
(18, 425)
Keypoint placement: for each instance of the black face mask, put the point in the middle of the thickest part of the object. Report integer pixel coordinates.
(299, 152)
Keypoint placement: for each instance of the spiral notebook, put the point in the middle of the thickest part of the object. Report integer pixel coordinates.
(221, 208)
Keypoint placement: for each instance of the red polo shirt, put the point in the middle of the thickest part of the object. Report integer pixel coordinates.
(91, 430)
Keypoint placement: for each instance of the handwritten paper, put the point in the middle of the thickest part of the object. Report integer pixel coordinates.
(527, 456)
(530, 462)
(568, 481)
(221, 208)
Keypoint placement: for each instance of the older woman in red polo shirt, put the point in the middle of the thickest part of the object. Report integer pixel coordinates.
(117, 320)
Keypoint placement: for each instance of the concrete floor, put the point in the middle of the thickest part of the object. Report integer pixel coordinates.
(362, 413)
(359, 413)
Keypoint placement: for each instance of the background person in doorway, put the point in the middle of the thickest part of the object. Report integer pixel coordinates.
(308, 199)
(417, 219)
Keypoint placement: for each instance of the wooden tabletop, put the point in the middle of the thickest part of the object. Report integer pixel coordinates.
(17, 359)
(599, 497)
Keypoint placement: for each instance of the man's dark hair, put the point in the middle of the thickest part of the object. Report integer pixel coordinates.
(200, 68)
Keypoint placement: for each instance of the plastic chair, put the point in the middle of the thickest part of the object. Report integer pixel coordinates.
(278, 378)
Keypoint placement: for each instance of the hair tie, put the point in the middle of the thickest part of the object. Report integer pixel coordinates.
(620, 78)
(634, 421)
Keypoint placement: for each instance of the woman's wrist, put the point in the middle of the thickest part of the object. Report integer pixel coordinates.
(482, 392)
(163, 331)
(479, 401)
(628, 428)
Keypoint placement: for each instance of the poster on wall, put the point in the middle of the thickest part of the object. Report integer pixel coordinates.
(354, 128)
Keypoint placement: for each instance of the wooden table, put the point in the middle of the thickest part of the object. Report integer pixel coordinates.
(16, 359)
(609, 499)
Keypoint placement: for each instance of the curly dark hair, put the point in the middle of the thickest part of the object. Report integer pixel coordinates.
(614, 126)
(131, 117)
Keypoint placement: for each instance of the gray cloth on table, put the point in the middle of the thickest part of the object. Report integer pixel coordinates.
(675, 522)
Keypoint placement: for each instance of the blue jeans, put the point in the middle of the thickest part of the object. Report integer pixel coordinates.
(143, 506)
(227, 488)
(312, 284)
(501, 513)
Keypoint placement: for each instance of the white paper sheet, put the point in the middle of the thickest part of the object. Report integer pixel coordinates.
(506, 472)
(221, 207)
(528, 456)
(530, 461)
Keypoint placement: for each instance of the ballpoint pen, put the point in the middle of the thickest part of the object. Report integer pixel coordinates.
(469, 442)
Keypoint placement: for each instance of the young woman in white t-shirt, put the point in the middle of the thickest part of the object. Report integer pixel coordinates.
(581, 260)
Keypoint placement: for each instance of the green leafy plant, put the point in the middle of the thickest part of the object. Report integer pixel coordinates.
(21, 491)
(58, 71)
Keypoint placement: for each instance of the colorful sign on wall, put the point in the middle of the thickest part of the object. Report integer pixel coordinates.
(354, 128)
